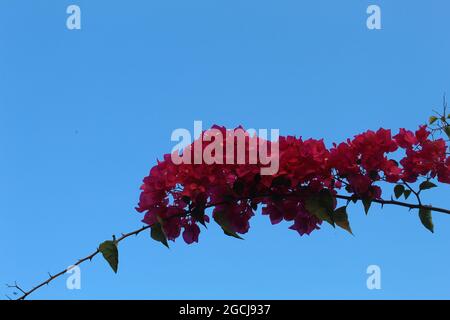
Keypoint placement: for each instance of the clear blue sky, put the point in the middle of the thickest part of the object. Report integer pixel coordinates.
(84, 114)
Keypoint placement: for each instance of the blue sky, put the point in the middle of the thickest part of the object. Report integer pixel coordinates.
(84, 114)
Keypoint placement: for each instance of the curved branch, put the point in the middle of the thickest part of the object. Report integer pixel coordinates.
(401, 204)
(89, 257)
(136, 232)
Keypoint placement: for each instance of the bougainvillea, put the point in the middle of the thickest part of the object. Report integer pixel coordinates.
(305, 191)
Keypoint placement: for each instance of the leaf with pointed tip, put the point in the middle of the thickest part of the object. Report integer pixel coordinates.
(399, 190)
(157, 233)
(432, 119)
(367, 202)
(222, 221)
(447, 131)
(427, 185)
(110, 253)
(281, 181)
(198, 213)
(321, 205)
(327, 199)
(407, 193)
(232, 234)
(341, 219)
(239, 187)
(426, 218)
(186, 199)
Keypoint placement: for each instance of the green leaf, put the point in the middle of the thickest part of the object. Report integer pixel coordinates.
(341, 219)
(239, 187)
(110, 253)
(281, 181)
(321, 205)
(432, 119)
(198, 213)
(407, 193)
(427, 185)
(232, 234)
(399, 190)
(221, 219)
(157, 233)
(367, 202)
(426, 218)
(327, 199)
(447, 131)
(186, 199)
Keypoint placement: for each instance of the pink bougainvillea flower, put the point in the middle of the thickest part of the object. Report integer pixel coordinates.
(180, 195)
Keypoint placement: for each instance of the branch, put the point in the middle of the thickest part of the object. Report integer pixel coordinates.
(136, 232)
(399, 203)
(16, 286)
(89, 257)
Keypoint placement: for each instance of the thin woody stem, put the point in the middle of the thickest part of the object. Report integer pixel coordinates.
(414, 192)
(401, 204)
(89, 257)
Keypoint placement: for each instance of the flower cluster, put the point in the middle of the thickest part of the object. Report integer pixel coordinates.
(176, 197)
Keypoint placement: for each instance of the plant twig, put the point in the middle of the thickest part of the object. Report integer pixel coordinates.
(89, 257)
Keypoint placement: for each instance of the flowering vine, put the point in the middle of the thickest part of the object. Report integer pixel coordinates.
(305, 190)
(313, 184)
